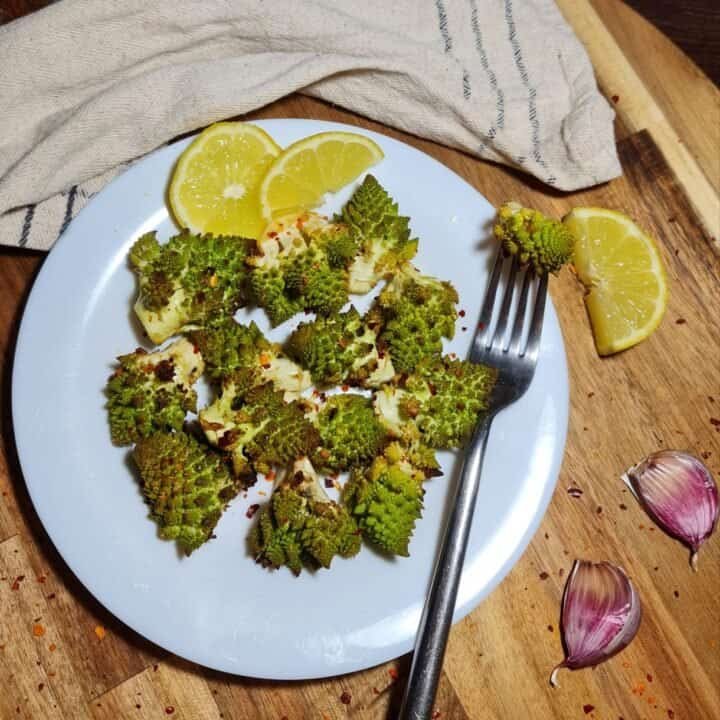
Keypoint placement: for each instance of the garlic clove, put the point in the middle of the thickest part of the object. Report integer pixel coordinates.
(600, 615)
(680, 495)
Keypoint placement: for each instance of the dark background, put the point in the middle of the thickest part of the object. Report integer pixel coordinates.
(694, 25)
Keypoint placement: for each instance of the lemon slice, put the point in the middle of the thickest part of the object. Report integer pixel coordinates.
(301, 175)
(214, 188)
(623, 274)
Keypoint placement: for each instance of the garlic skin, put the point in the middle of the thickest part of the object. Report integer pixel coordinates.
(680, 495)
(600, 615)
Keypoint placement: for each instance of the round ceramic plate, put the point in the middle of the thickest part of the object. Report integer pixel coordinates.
(217, 607)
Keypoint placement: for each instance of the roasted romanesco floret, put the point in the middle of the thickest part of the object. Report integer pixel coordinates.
(152, 391)
(186, 485)
(381, 234)
(299, 264)
(190, 279)
(386, 499)
(350, 433)
(441, 402)
(545, 244)
(301, 525)
(257, 427)
(340, 349)
(228, 347)
(416, 312)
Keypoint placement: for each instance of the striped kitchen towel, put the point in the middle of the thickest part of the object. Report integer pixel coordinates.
(88, 86)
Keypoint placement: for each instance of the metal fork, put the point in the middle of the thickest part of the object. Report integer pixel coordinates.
(515, 362)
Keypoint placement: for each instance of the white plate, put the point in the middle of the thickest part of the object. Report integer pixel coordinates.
(217, 607)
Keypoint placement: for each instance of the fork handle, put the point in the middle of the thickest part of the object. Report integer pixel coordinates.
(440, 601)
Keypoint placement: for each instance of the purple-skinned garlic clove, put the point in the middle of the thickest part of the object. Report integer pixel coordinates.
(600, 615)
(680, 495)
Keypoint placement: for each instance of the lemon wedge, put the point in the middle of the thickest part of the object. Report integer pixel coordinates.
(301, 175)
(623, 274)
(215, 184)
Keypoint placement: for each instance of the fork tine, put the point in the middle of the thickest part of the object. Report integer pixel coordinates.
(516, 336)
(533, 343)
(505, 307)
(489, 302)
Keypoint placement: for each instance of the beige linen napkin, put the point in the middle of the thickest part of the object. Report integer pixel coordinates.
(86, 87)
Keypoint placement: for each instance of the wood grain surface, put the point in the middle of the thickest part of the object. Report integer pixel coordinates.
(63, 656)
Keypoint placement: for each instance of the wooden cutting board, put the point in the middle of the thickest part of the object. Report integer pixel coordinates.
(63, 656)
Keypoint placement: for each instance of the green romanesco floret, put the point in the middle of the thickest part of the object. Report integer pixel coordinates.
(152, 391)
(350, 433)
(228, 347)
(340, 349)
(386, 499)
(257, 427)
(439, 403)
(381, 234)
(300, 525)
(300, 265)
(188, 280)
(544, 244)
(186, 485)
(416, 312)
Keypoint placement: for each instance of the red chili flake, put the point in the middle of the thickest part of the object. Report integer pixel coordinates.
(393, 673)
(599, 510)
(680, 321)
(587, 709)
(16, 583)
(616, 99)
(715, 422)
(252, 510)
(705, 454)
(156, 668)
(651, 529)
(623, 506)
(40, 686)
(550, 628)
(38, 630)
(671, 714)
(345, 388)
(52, 647)
(436, 715)
(461, 313)
(169, 710)
(272, 234)
(649, 677)
(676, 593)
(42, 579)
(591, 394)
(543, 575)
(52, 674)
(711, 398)
(51, 596)
(329, 483)
(574, 492)
(345, 698)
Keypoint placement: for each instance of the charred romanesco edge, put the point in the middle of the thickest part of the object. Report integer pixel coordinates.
(340, 349)
(382, 235)
(257, 427)
(300, 264)
(154, 391)
(301, 526)
(350, 433)
(415, 312)
(439, 403)
(544, 244)
(190, 279)
(186, 485)
(386, 499)
(229, 347)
